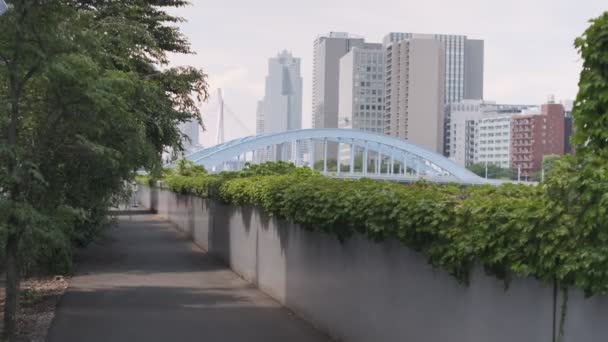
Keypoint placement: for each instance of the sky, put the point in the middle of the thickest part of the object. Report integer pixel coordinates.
(529, 52)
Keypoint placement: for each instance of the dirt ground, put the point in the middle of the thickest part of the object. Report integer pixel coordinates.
(36, 307)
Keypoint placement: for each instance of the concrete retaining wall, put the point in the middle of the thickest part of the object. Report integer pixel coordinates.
(362, 291)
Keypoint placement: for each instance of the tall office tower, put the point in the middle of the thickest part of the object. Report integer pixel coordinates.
(191, 140)
(361, 89)
(281, 108)
(415, 91)
(464, 64)
(328, 50)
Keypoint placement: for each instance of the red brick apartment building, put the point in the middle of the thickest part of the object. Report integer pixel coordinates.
(535, 136)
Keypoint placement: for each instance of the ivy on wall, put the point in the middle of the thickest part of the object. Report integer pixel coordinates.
(511, 230)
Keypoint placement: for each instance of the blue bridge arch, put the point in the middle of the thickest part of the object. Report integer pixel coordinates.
(414, 161)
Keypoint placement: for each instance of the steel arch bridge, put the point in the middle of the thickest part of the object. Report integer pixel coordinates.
(388, 157)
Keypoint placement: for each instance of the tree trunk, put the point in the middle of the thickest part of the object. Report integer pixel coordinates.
(12, 287)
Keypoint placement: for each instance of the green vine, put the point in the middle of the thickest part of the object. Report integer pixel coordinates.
(511, 230)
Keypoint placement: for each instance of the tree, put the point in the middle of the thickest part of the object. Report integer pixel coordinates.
(86, 98)
(591, 106)
(577, 185)
(548, 164)
(494, 171)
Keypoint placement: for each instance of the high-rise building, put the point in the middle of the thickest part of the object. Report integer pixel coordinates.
(281, 108)
(328, 50)
(535, 136)
(361, 89)
(415, 90)
(464, 63)
(191, 134)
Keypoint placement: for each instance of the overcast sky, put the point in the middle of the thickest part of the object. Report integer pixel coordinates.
(529, 51)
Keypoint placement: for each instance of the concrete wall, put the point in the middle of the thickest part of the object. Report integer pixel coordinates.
(362, 291)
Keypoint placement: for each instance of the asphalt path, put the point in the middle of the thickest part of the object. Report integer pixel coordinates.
(146, 282)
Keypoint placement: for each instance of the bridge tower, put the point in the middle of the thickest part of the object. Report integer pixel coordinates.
(220, 120)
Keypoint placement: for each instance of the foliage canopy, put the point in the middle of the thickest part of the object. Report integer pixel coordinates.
(86, 98)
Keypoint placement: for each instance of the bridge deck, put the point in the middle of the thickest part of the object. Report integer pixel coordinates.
(145, 282)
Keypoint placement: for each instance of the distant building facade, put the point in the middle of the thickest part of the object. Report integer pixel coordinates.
(481, 132)
(535, 136)
(281, 108)
(493, 140)
(464, 69)
(361, 89)
(415, 91)
(191, 136)
(328, 50)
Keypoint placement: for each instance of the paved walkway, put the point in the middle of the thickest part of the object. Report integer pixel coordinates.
(145, 282)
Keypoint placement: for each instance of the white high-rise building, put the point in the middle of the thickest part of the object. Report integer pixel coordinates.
(415, 87)
(361, 89)
(464, 64)
(281, 108)
(493, 140)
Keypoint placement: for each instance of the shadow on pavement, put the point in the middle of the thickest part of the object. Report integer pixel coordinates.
(174, 314)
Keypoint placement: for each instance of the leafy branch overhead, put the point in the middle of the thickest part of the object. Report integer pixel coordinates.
(86, 98)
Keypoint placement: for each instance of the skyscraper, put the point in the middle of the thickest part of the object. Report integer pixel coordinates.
(191, 140)
(328, 50)
(281, 108)
(415, 90)
(361, 90)
(464, 62)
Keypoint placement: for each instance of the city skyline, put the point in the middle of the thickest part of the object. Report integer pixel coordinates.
(529, 49)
